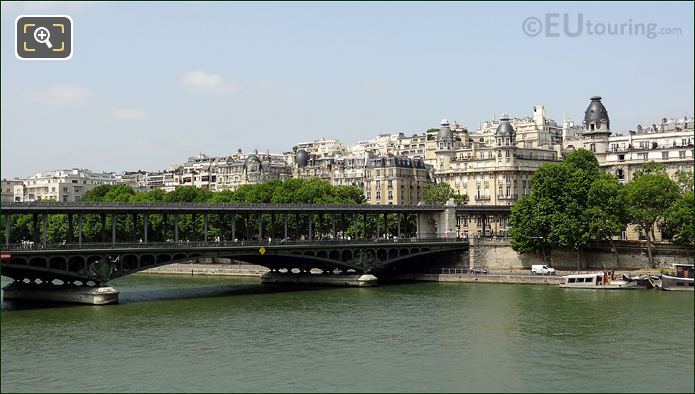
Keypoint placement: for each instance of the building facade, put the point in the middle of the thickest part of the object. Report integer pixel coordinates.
(64, 185)
(12, 188)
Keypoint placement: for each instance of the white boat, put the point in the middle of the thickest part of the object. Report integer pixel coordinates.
(682, 281)
(598, 281)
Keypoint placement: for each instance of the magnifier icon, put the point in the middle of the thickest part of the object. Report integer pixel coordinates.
(42, 36)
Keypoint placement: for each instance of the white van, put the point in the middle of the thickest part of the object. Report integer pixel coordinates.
(542, 269)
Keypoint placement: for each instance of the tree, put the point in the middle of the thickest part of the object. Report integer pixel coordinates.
(526, 226)
(440, 193)
(684, 179)
(651, 167)
(606, 210)
(678, 220)
(554, 215)
(649, 196)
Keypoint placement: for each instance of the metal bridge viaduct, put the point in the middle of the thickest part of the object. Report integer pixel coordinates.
(347, 244)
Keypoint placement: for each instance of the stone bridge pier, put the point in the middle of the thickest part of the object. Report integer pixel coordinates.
(440, 224)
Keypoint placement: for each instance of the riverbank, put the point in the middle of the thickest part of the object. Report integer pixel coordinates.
(516, 279)
(509, 277)
(218, 269)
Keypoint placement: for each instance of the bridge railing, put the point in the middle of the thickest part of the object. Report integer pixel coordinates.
(218, 244)
(261, 206)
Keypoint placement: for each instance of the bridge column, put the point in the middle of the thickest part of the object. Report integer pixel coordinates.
(447, 221)
(135, 226)
(285, 225)
(80, 223)
(194, 218)
(71, 229)
(260, 227)
(296, 227)
(205, 227)
(223, 227)
(113, 228)
(311, 230)
(364, 225)
(145, 219)
(165, 227)
(425, 226)
(234, 226)
(45, 227)
(103, 227)
(7, 229)
(176, 227)
(335, 232)
(398, 216)
(35, 227)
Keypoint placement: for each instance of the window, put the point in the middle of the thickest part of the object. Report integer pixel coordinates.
(390, 194)
(593, 146)
(378, 195)
(664, 155)
(621, 157)
(681, 154)
(65, 189)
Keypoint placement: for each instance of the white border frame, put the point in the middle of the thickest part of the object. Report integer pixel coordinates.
(72, 37)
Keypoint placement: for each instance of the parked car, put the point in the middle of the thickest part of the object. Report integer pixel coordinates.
(542, 269)
(479, 270)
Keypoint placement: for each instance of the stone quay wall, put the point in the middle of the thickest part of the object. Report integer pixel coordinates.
(497, 254)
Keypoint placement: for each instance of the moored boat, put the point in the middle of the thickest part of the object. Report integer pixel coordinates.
(682, 281)
(597, 281)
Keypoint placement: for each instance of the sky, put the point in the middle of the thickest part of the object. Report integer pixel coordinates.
(151, 84)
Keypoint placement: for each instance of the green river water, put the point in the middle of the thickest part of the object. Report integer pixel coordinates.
(183, 333)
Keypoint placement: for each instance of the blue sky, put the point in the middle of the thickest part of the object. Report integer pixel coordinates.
(151, 84)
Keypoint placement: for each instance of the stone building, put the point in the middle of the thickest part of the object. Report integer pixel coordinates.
(64, 185)
(12, 188)
(250, 169)
(395, 180)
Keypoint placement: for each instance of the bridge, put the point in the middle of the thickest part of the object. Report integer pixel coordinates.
(124, 238)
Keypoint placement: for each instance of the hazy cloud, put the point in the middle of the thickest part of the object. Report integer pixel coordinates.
(130, 114)
(61, 95)
(200, 80)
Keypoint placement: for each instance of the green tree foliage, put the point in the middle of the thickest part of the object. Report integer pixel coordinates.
(527, 226)
(678, 220)
(649, 196)
(553, 216)
(440, 193)
(161, 227)
(684, 179)
(607, 210)
(652, 168)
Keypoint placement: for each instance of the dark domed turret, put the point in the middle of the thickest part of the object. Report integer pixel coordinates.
(505, 128)
(596, 116)
(302, 158)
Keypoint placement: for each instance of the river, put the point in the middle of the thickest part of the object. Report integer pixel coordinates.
(183, 333)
